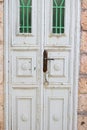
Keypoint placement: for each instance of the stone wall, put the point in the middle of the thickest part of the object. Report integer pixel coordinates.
(82, 104)
(1, 66)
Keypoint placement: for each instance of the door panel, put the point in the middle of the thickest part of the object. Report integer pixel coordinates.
(57, 39)
(59, 68)
(24, 110)
(57, 79)
(24, 67)
(56, 109)
(40, 100)
(18, 38)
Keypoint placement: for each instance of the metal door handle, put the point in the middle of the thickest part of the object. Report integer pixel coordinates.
(45, 60)
(48, 59)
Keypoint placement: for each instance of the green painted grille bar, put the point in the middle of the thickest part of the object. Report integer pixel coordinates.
(58, 16)
(25, 16)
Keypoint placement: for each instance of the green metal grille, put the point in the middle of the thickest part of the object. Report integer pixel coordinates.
(58, 16)
(25, 16)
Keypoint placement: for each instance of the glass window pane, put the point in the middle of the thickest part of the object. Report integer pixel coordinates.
(25, 16)
(58, 16)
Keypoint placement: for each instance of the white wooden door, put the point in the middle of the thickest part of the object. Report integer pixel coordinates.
(41, 100)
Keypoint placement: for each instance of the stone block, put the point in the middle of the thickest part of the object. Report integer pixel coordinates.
(1, 77)
(1, 64)
(1, 88)
(84, 4)
(1, 115)
(83, 85)
(83, 64)
(84, 20)
(82, 102)
(1, 0)
(83, 47)
(1, 13)
(1, 125)
(1, 99)
(82, 122)
(1, 33)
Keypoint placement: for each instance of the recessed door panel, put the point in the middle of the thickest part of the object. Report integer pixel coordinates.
(59, 68)
(24, 67)
(56, 109)
(24, 110)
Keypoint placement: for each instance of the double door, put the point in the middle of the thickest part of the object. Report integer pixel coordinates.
(41, 62)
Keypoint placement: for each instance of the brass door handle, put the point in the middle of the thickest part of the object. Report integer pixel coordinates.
(45, 60)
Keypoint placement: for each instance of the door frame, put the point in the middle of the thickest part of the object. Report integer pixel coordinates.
(76, 33)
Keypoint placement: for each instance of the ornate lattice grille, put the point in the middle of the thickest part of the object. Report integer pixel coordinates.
(58, 16)
(25, 16)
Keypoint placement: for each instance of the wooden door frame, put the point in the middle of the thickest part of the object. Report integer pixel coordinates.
(76, 33)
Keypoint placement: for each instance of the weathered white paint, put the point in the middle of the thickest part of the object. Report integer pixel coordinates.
(62, 93)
